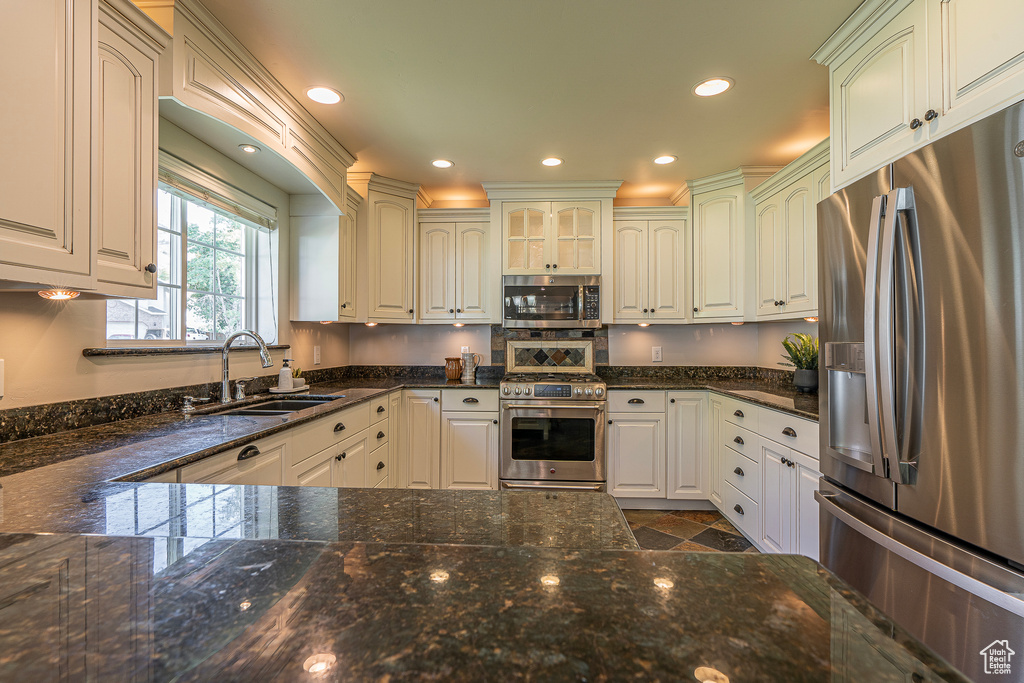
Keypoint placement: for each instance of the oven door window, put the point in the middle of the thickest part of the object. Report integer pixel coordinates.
(542, 303)
(553, 438)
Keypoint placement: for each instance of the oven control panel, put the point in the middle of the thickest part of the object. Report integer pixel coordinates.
(552, 391)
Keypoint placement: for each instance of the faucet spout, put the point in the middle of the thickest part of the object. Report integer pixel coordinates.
(225, 389)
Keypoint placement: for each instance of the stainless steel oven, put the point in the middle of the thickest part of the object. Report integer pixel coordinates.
(562, 301)
(550, 437)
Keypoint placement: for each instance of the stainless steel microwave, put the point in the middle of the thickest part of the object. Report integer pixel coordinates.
(563, 301)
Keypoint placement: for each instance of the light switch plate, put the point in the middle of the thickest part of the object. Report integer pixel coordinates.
(316, 355)
(656, 354)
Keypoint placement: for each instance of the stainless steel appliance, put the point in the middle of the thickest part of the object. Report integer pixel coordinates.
(563, 301)
(552, 431)
(922, 390)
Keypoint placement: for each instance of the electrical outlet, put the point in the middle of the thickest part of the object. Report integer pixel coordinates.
(656, 354)
(316, 355)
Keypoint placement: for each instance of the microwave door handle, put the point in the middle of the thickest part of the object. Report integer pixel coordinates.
(581, 305)
(871, 336)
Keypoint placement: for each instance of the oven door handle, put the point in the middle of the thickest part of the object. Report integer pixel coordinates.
(561, 487)
(548, 406)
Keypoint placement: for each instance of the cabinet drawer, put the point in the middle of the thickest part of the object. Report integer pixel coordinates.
(636, 401)
(261, 464)
(316, 436)
(379, 465)
(740, 413)
(739, 439)
(742, 472)
(485, 400)
(777, 427)
(741, 510)
(380, 433)
(383, 483)
(379, 408)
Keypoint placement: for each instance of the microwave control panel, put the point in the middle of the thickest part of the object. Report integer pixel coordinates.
(592, 303)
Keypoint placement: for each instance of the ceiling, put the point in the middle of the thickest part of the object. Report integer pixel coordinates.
(603, 84)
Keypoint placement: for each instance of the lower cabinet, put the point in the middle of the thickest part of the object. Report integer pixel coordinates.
(469, 450)
(419, 455)
(637, 445)
(261, 463)
(687, 465)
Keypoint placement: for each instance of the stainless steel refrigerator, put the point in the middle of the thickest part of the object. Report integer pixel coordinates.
(922, 392)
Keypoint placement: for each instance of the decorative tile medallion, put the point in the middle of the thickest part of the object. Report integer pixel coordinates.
(550, 355)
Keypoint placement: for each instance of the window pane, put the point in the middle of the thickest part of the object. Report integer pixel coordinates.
(230, 316)
(201, 223)
(168, 258)
(230, 272)
(164, 202)
(122, 320)
(230, 234)
(158, 318)
(200, 268)
(199, 317)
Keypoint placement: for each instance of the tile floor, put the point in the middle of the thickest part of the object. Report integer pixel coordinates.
(695, 531)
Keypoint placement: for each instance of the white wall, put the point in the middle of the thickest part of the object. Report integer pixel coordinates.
(332, 340)
(416, 344)
(769, 341)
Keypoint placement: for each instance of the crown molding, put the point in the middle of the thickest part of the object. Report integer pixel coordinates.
(650, 213)
(681, 197)
(802, 165)
(871, 16)
(454, 215)
(423, 199)
(577, 189)
(751, 176)
(368, 180)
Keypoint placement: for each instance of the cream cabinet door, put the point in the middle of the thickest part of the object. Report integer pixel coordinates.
(982, 67)
(419, 458)
(636, 455)
(875, 95)
(46, 68)
(392, 252)
(352, 461)
(687, 466)
(718, 254)
(475, 278)
(437, 271)
(469, 451)
(805, 508)
(666, 270)
(126, 135)
(799, 275)
(525, 227)
(768, 236)
(630, 283)
(715, 419)
(575, 238)
(317, 470)
(347, 267)
(776, 501)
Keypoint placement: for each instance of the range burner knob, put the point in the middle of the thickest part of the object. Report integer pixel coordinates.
(518, 390)
(589, 391)
(506, 390)
(527, 391)
(599, 391)
(579, 391)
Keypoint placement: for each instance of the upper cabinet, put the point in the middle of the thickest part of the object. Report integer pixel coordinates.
(388, 221)
(651, 261)
(904, 72)
(458, 273)
(552, 229)
(323, 251)
(723, 221)
(786, 237)
(71, 214)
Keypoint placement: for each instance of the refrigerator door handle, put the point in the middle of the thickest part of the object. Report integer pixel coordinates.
(871, 374)
(1004, 600)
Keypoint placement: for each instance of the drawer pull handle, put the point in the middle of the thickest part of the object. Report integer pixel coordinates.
(248, 452)
(380, 465)
(470, 400)
(788, 431)
(739, 440)
(738, 413)
(380, 435)
(340, 427)
(738, 471)
(380, 409)
(636, 401)
(737, 508)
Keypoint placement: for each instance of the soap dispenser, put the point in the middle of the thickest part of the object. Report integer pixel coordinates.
(284, 378)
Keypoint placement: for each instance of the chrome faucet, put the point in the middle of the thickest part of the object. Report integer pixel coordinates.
(225, 384)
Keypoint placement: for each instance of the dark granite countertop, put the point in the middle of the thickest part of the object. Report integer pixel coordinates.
(200, 609)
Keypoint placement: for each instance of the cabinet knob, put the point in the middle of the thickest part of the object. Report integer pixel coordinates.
(338, 458)
(931, 115)
(548, 266)
(554, 266)
(380, 435)
(380, 466)
(739, 440)
(915, 124)
(737, 508)
(494, 421)
(343, 455)
(738, 471)
(695, 309)
(340, 427)
(410, 310)
(344, 305)
(435, 399)
(458, 310)
(609, 421)
(788, 431)
(151, 268)
(451, 310)
(645, 310)
(671, 400)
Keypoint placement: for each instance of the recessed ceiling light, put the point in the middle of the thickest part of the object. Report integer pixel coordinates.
(712, 86)
(442, 163)
(324, 95)
(666, 159)
(249, 149)
(59, 294)
(552, 161)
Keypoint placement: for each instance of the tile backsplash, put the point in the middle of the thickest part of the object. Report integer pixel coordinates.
(547, 339)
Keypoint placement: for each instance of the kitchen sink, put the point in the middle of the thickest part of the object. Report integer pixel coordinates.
(279, 406)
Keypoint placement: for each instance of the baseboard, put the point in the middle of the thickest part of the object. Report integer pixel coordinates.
(663, 504)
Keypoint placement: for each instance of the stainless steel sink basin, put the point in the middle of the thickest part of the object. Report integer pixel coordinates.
(279, 406)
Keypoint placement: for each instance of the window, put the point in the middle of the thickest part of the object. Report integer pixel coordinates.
(215, 276)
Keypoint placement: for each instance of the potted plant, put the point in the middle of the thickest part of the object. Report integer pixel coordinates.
(802, 354)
